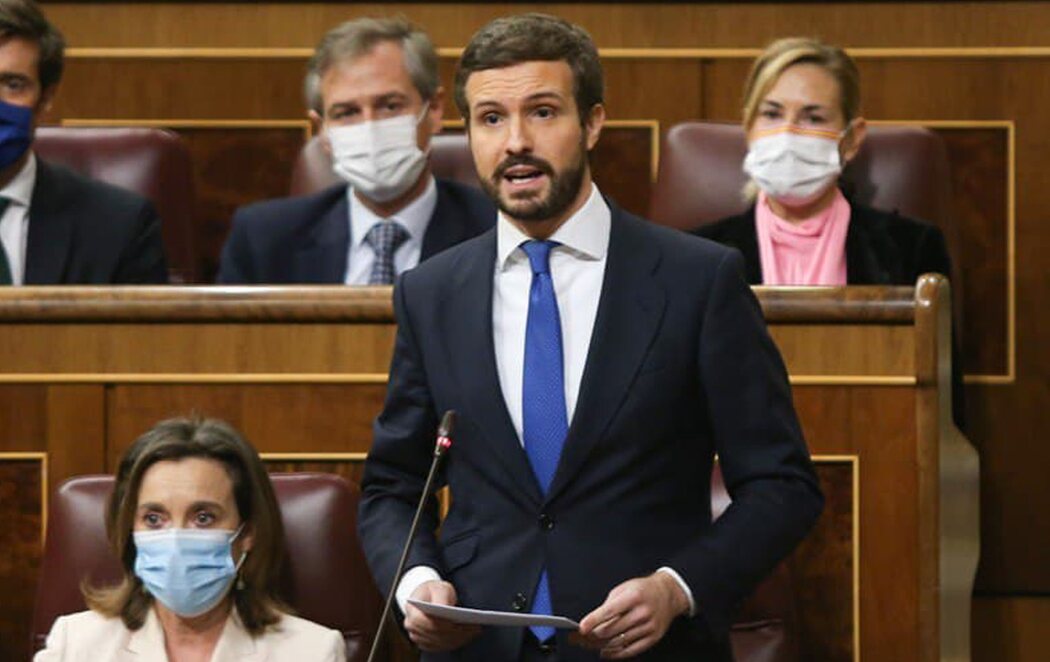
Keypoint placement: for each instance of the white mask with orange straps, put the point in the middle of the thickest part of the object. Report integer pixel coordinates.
(794, 165)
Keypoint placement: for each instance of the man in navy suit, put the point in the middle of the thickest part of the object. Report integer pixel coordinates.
(56, 226)
(374, 93)
(597, 363)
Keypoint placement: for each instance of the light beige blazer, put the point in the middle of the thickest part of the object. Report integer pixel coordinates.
(90, 637)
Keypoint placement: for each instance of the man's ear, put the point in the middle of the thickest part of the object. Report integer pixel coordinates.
(594, 124)
(317, 128)
(44, 105)
(854, 138)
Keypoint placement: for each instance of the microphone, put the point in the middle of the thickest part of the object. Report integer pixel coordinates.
(441, 444)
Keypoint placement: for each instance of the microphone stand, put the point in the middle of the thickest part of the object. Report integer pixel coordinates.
(442, 444)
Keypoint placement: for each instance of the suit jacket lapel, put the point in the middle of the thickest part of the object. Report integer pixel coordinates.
(629, 314)
(467, 326)
(322, 259)
(236, 644)
(147, 643)
(445, 228)
(50, 229)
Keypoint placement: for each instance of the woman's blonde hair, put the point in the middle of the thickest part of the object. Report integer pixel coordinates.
(784, 53)
(255, 596)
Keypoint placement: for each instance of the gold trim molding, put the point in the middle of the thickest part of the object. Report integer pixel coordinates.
(239, 53)
(313, 457)
(34, 456)
(194, 378)
(353, 378)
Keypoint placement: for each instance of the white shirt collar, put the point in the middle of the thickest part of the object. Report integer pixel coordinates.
(20, 188)
(585, 233)
(414, 218)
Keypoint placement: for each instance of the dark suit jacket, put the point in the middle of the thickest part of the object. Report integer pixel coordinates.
(306, 239)
(680, 367)
(86, 232)
(881, 249)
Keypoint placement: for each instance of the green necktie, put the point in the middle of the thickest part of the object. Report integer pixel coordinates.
(5, 266)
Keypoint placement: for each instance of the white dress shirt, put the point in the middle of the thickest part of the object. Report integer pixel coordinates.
(14, 223)
(577, 267)
(414, 218)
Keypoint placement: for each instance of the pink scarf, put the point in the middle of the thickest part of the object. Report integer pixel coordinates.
(811, 252)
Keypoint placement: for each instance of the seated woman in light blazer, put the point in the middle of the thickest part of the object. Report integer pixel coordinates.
(803, 125)
(195, 523)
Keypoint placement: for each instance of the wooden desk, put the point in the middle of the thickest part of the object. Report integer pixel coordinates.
(886, 575)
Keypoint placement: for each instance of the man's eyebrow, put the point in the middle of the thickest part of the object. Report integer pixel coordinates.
(540, 96)
(391, 96)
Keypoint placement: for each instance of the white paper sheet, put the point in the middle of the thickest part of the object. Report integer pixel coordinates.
(484, 617)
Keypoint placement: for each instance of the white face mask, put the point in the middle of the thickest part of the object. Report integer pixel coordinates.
(380, 159)
(794, 166)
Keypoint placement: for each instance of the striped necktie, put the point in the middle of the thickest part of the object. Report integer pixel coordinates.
(385, 238)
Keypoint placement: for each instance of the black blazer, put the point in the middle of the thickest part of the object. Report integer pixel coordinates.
(306, 239)
(86, 232)
(680, 367)
(881, 249)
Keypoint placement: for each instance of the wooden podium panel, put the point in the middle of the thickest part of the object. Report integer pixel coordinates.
(886, 574)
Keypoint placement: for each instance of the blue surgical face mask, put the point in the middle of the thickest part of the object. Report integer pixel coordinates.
(16, 132)
(188, 570)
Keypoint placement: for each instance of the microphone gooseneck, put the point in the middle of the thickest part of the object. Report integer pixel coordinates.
(441, 444)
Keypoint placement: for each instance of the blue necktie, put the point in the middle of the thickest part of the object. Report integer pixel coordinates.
(544, 418)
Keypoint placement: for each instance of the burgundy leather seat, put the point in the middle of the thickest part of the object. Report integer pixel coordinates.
(326, 579)
(449, 157)
(151, 162)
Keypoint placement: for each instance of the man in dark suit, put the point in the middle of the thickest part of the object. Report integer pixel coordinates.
(597, 363)
(374, 93)
(56, 226)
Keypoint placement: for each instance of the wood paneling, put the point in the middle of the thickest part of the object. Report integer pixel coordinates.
(1013, 629)
(288, 418)
(21, 506)
(227, 348)
(822, 571)
(876, 423)
(673, 24)
(980, 161)
(234, 166)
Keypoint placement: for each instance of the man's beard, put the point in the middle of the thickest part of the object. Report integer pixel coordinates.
(530, 207)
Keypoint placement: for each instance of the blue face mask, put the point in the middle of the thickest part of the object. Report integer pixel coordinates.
(16, 131)
(188, 570)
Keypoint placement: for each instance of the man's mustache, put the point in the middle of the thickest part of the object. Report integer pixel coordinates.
(522, 160)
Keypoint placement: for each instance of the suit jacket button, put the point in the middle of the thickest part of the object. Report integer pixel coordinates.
(519, 602)
(546, 522)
